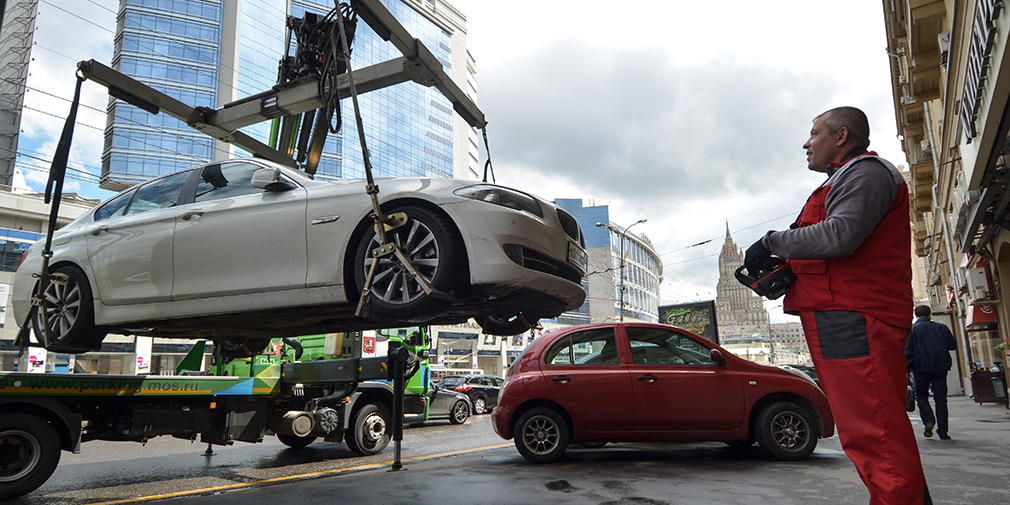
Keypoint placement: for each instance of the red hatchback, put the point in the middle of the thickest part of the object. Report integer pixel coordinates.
(639, 382)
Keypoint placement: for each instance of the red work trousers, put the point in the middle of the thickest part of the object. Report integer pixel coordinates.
(861, 365)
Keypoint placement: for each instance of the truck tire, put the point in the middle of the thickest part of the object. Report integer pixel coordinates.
(370, 431)
(29, 453)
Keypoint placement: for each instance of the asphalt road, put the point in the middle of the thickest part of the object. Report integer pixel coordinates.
(441, 466)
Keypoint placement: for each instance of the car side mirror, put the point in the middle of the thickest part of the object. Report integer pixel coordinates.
(719, 358)
(270, 180)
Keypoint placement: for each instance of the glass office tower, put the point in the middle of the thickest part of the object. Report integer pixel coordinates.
(209, 53)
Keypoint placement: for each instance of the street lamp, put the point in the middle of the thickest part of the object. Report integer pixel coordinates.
(624, 235)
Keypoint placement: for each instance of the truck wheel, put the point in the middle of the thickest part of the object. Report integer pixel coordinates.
(296, 442)
(70, 314)
(786, 431)
(29, 453)
(429, 241)
(370, 432)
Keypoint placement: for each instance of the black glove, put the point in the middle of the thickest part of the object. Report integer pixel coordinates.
(756, 257)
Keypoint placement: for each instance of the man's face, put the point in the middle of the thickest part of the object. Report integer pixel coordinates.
(821, 146)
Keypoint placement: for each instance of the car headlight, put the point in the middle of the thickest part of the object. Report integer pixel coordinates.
(502, 196)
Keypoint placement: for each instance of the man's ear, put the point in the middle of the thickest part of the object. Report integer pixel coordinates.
(842, 136)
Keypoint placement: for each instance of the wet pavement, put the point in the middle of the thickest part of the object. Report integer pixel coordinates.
(972, 468)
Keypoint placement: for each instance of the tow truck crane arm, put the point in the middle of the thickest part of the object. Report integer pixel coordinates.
(417, 64)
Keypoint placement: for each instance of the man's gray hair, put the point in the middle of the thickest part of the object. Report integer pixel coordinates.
(851, 118)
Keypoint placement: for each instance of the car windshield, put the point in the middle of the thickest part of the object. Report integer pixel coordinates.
(450, 382)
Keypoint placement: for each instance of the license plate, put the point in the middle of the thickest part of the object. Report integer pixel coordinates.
(578, 257)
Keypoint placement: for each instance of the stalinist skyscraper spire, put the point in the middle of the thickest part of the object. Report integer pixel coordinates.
(738, 309)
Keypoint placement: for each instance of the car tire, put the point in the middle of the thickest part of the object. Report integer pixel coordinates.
(242, 347)
(541, 435)
(70, 313)
(30, 449)
(506, 326)
(429, 241)
(786, 431)
(479, 406)
(370, 431)
(459, 413)
(296, 442)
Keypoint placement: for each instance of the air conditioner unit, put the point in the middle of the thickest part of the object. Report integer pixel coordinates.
(978, 284)
(943, 45)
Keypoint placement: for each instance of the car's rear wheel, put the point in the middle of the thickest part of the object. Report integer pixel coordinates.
(541, 435)
(479, 406)
(70, 313)
(296, 442)
(460, 412)
(786, 431)
(242, 347)
(429, 242)
(506, 326)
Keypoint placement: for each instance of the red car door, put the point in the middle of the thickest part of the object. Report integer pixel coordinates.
(678, 387)
(584, 373)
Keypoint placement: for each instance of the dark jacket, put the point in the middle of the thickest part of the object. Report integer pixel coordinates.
(927, 346)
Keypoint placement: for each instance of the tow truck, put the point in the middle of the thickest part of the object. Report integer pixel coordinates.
(306, 387)
(301, 389)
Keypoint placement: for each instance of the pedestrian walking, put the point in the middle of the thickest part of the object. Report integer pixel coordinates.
(927, 353)
(850, 251)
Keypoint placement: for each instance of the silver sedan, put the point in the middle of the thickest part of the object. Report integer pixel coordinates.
(245, 250)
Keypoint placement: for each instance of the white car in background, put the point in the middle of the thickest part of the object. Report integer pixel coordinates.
(246, 250)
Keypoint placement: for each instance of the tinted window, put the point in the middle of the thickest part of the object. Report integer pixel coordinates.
(114, 208)
(589, 347)
(158, 194)
(227, 180)
(659, 346)
(451, 382)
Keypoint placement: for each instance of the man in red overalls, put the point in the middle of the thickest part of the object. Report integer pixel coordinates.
(850, 251)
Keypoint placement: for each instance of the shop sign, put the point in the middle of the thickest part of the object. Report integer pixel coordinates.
(981, 315)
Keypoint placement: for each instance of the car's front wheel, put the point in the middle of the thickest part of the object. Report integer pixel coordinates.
(786, 431)
(69, 313)
(428, 241)
(460, 412)
(541, 435)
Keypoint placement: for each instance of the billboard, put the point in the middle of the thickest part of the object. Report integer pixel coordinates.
(698, 317)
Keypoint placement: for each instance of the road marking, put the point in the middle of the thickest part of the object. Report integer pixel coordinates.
(335, 471)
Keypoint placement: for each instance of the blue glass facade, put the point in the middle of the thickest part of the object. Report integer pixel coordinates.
(172, 46)
(175, 46)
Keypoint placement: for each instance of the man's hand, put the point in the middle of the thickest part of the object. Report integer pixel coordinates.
(756, 257)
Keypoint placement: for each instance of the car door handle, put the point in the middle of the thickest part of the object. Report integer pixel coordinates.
(648, 378)
(562, 379)
(99, 229)
(189, 214)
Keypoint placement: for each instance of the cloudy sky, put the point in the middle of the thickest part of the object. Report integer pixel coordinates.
(689, 114)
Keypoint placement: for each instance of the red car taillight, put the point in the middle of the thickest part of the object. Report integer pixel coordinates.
(463, 388)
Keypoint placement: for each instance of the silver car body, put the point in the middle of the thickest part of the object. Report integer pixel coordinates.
(276, 259)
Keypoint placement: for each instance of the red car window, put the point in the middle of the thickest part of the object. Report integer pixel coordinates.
(590, 347)
(660, 346)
